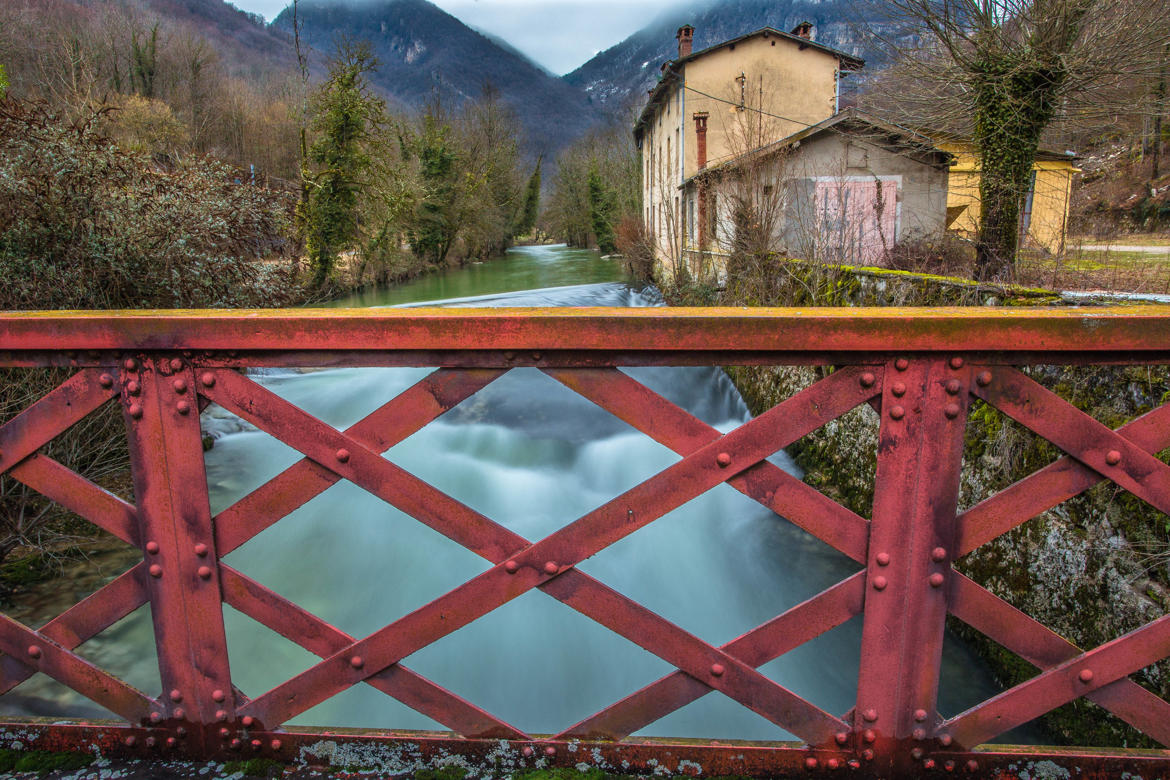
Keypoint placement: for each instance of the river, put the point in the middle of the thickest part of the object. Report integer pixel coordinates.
(532, 455)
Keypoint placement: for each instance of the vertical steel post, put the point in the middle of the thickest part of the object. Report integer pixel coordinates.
(170, 485)
(920, 449)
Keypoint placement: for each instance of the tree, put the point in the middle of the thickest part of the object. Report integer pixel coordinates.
(347, 118)
(526, 219)
(1008, 71)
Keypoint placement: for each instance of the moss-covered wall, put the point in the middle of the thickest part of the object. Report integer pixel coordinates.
(1093, 568)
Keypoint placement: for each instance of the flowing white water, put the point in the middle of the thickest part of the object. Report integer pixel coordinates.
(533, 456)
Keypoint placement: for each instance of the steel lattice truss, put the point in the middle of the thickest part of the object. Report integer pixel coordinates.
(906, 590)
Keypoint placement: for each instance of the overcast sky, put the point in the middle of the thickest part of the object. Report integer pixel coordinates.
(557, 34)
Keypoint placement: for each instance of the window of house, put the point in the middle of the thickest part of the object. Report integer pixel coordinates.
(691, 219)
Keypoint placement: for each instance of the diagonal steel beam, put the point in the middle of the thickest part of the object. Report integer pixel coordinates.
(666, 423)
(1052, 485)
(1044, 648)
(54, 414)
(380, 430)
(1096, 445)
(80, 496)
(802, 623)
(1062, 683)
(320, 638)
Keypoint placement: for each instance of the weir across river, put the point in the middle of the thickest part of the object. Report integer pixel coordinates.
(918, 371)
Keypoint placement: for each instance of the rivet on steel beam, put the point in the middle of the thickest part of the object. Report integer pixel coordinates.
(550, 567)
(898, 389)
(983, 378)
(176, 364)
(201, 550)
(135, 411)
(810, 763)
(275, 744)
(717, 670)
(954, 386)
(225, 732)
(34, 651)
(920, 715)
(956, 363)
(870, 715)
(152, 548)
(723, 459)
(897, 412)
(901, 364)
(937, 580)
(218, 695)
(208, 379)
(204, 572)
(130, 364)
(1113, 457)
(951, 410)
(945, 740)
(155, 570)
(867, 754)
(949, 766)
(133, 388)
(928, 763)
(869, 735)
(343, 455)
(356, 662)
(879, 583)
(511, 567)
(916, 753)
(257, 744)
(938, 554)
(176, 696)
(833, 763)
(550, 751)
(883, 559)
(130, 741)
(247, 721)
(235, 743)
(156, 717)
(106, 381)
(972, 765)
(151, 742)
(1086, 675)
(842, 737)
(180, 713)
(528, 751)
(171, 742)
(854, 763)
(182, 407)
(867, 379)
(221, 715)
(919, 734)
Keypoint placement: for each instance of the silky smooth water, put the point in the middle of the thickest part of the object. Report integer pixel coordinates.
(533, 456)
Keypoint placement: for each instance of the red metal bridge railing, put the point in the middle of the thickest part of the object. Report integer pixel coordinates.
(919, 370)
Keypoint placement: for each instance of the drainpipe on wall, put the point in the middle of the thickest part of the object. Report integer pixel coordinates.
(700, 118)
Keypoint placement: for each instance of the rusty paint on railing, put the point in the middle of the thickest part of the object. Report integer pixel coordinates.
(919, 369)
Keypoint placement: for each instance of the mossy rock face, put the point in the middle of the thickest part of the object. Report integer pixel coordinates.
(1092, 568)
(42, 761)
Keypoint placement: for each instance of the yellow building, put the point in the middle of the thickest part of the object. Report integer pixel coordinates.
(1044, 213)
(737, 96)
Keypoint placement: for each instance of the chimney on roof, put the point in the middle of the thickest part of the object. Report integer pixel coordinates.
(685, 35)
(803, 30)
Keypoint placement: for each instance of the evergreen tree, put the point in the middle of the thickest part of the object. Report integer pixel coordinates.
(601, 211)
(527, 218)
(346, 118)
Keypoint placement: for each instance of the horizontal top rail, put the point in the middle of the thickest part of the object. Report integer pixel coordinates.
(1144, 329)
